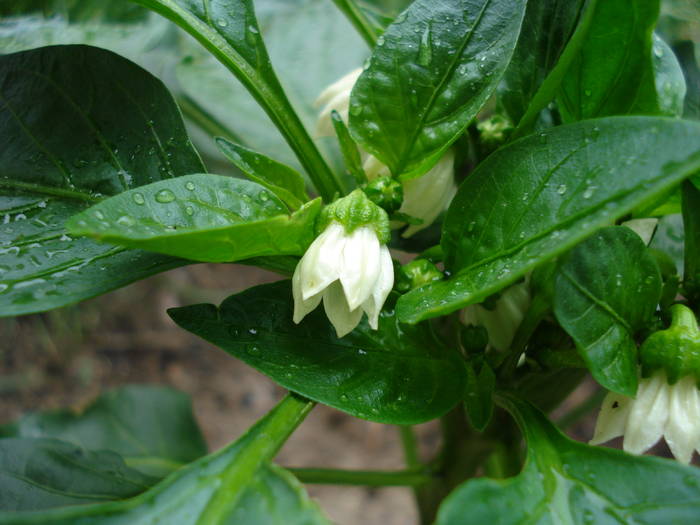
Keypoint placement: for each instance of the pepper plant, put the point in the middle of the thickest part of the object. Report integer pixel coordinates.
(535, 164)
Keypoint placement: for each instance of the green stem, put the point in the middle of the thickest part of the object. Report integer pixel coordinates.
(410, 446)
(369, 478)
(359, 21)
(277, 427)
(549, 87)
(263, 85)
(206, 121)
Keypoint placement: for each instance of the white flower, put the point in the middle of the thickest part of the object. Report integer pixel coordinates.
(503, 320)
(352, 273)
(660, 409)
(645, 228)
(424, 197)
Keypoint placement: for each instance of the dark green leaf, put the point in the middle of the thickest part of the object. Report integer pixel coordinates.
(668, 78)
(279, 178)
(605, 290)
(685, 53)
(229, 30)
(691, 229)
(40, 474)
(349, 150)
(568, 482)
(77, 124)
(430, 74)
(669, 238)
(547, 27)
(397, 374)
(200, 217)
(76, 10)
(152, 428)
(613, 73)
(234, 485)
(539, 196)
(479, 397)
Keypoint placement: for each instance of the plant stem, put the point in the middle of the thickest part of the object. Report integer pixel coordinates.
(270, 434)
(549, 87)
(358, 20)
(410, 446)
(369, 478)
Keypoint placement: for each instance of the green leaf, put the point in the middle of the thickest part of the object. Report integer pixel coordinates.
(691, 234)
(685, 54)
(349, 150)
(228, 29)
(479, 397)
(605, 290)
(613, 73)
(429, 75)
(568, 482)
(40, 474)
(279, 178)
(669, 239)
(541, 195)
(547, 28)
(77, 124)
(668, 78)
(396, 374)
(234, 485)
(152, 428)
(76, 10)
(201, 217)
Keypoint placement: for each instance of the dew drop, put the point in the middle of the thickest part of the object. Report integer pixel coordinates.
(189, 185)
(222, 22)
(253, 29)
(380, 40)
(343, 397)
(263, 196)
(588, 192)
(253, 350)
(99, 215)
(4, 287)
(165, 196)
(189, 210)
(138, 198)
(126, 220)
(355, 109)
(252, 331)
(561, 190)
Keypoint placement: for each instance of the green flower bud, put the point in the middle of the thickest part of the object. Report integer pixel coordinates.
(474, 338)
(386, 193)
(494, 131)
(353, 211)
(417, 273)
(675, 350)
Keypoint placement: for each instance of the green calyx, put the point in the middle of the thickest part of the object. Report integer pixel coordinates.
(416, 273)
(386, 193)
(494, 131)
(353, 211)
(676, 349)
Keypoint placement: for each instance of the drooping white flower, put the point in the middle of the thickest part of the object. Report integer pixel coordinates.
(667, 403)
(658, 410)
(501, 321)
(348, 265)
(425, 197)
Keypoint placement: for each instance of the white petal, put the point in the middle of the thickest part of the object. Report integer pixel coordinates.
(321, 263)
(612, 418)
(683, 427)
(360, 265)
(339, 314)
(374, 168)
(425, 197)
(643, 227)
(649, 414)
(382, 287)
(302, 306)
(468, 316)
(343, 84)
(335, 97)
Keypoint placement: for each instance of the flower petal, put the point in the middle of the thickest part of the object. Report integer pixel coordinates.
(649, 414)
(360, 265)
(683, 427)
(339, 314)
(321, 263)
(612, 418)
(302, 306)
(382, 287)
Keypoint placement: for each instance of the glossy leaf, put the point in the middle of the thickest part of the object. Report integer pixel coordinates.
(202, 217)
(279, 178)
(623, 81)
(668, 79)
(546, 29)
(152, 428)
(541, 195)
(229, 30)
(44, 473)
(605, 290)
(478, 401)
(234, 485)
(77, 124)
(685, 53)
(429, 75)
(396, 374)
(568, 482)
(691, 237)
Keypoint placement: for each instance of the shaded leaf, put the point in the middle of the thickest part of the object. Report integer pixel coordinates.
(541, 195)
(605, 290)
(397, 374)
(77, 124)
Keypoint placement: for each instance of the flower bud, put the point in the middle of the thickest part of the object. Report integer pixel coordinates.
(494, 131)
(675, 350)
(386, 193)
(417, 273)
